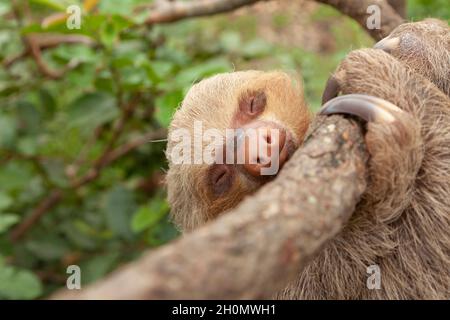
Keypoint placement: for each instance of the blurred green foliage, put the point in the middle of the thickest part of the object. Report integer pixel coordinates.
(420, 9)
(52, 132)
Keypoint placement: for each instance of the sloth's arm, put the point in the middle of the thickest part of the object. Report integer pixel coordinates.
(378, 89)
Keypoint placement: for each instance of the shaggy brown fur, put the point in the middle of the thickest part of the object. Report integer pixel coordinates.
(403, 222)
(425, 48)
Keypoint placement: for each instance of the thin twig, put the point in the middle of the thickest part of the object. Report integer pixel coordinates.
(47, 41)
(42, 65)
(72, 169)
(57, 195)
(45, 205)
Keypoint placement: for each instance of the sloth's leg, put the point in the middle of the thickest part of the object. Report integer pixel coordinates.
(393, 140)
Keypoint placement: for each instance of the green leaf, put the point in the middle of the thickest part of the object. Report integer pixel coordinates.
(7, 130)
(15, 176)
(148, 216)
(256, 48)
(109, 33)
(18, 283)
(81, 53)
(5, 201)
(134, 78)
(421, 9)
(55, 169)
(52, 4)
(8, 89)
(27, 146)
(4, 8)
(29, 117)
(111, 28)
(162, 233)
(142, 219)
(7, 220)
(78, 238)
(121, 22)
(230, 41)
(49, 248)
(162, 68)
(85, 228)
(47, 102)
(91, 110)
(196, 73)
(166, 105)
(117, 7)
(104, 82)
(97, 267)
(119, 208)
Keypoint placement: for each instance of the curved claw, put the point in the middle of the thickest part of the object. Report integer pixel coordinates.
(387, 44)
(366, 107)
(331, 91)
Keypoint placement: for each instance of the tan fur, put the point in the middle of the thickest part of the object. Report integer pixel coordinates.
(425, 48)
(403, 222)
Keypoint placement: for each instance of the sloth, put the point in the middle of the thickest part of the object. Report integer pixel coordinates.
(402, 222)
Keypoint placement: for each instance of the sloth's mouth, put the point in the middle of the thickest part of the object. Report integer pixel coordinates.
(286, 153)
(290, 145)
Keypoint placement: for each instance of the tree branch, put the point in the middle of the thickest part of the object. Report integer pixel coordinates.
(170, 11)
(357, 10)
(257, 248)
(399, 6)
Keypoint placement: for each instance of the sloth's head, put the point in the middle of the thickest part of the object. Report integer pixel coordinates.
(232, 133)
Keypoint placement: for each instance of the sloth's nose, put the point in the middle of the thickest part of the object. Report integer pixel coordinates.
(264, 149)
